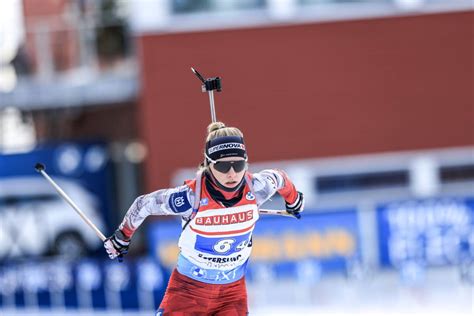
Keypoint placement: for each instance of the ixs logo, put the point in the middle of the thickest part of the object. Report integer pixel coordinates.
(227, 219)
(226, 146)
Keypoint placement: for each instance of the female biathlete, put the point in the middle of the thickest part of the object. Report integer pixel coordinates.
(219, 210)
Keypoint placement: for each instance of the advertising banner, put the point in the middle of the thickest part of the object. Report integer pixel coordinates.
(86, 285)
(431, 232)
(35, 219)
(318, 243)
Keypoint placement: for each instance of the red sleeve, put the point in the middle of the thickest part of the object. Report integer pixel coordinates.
(127, 231)
(288, 191)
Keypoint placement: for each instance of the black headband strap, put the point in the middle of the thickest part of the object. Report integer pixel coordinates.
(225, 146)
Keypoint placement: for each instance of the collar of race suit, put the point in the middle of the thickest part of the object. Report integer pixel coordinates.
(227, 196)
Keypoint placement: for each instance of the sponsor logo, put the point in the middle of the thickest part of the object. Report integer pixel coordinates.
(250, 196)
(227, 219)
(198, 272)
(225, 276)
(225, 147)
(179, 201)
(221, 260)
(204, 201)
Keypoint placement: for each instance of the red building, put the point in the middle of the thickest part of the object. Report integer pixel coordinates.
(297, 88)
(310, 90)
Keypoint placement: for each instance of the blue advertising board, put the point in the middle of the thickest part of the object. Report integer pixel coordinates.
(86, 163)
(431, 232)
(320, 242)
(88, 284)
(35, 220)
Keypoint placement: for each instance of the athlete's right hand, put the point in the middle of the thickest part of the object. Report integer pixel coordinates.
(117, 244)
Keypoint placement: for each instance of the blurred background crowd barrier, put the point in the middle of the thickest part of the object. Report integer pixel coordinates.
(367, 105)
(85, 285)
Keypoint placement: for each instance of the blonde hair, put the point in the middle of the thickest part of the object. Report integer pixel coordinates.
(215, 130)
(218, 129)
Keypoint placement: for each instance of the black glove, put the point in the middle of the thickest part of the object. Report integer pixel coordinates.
(117, 245)
(296, 207)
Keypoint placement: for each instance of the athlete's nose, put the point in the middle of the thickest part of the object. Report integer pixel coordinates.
(231, 172)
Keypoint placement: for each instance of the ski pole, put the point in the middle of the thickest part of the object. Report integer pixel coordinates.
(279, 212)
(209, 85)
(41, 169)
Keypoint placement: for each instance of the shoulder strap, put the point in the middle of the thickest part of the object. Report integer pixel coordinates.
(197, 191)
(197, 198)
(248, 179)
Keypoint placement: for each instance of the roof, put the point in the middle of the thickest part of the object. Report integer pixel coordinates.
(73, 90)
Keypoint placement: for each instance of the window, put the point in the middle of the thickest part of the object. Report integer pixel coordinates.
(189, 6)
(362, 181)
(457, 173)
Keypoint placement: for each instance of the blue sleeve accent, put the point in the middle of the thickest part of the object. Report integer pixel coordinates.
(179, 202)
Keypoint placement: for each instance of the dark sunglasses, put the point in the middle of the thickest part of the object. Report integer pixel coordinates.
(224, 166)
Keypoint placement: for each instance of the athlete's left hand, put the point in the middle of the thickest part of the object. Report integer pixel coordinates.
(296, 207)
